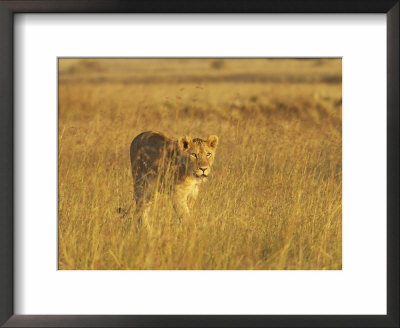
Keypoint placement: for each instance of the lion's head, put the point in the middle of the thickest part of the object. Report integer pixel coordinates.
(197, 155)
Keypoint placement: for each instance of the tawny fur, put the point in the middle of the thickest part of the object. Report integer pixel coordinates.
(160, 164)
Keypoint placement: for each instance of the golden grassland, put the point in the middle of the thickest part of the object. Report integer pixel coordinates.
(275, 198)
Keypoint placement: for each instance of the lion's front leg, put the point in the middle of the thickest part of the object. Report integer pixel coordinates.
(180, 204)
(194, 193)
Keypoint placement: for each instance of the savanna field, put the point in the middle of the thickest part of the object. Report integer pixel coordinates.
(274, 200)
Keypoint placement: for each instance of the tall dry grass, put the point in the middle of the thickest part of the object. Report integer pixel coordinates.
(274, 200)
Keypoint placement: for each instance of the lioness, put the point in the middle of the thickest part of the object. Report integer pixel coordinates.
(176, 166)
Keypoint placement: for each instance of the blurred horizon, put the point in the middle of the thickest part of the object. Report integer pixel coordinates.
(198, 70)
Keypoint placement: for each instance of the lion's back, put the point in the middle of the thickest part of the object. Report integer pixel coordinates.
(146, 152)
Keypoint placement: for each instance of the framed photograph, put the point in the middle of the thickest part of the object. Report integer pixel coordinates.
(174, 175)
(220, 164)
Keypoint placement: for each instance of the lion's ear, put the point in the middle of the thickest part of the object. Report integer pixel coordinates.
(212, 141)
(184, 143)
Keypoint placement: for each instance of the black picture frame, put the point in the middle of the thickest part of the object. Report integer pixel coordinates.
(7, 11)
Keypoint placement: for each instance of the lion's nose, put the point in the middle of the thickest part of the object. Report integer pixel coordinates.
(203, 169)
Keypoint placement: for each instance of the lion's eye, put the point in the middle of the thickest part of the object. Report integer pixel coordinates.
(194, 155)
(208, 154)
